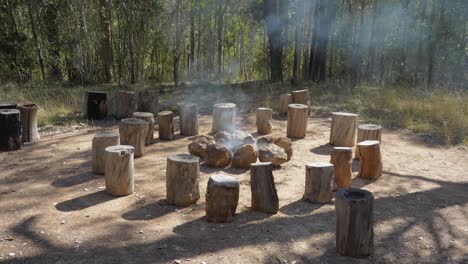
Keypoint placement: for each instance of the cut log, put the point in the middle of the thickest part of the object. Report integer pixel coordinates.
(101, 141)
(96, 105)
(8, 105)
(319, 183)
(341, 158)
(222, 197)
(119, 170)
(188, 119)
(263, 118)
(354, 222)
(28, 113)
(133, 132)
(297, 121)
(10, 130)
(285, 100)
(301, 97)
(148, 117)
(182, 173)
(343, 129)
(367, 132)
(123, 104)
(262, 185)
(166, 125)
(370, 161)
(148, 101)
(224, 117)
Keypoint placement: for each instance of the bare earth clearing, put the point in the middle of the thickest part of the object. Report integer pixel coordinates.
(54, 210)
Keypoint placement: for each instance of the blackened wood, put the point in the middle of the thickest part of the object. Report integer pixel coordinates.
(96, 107)
(7, 105)
(28, 116)
(10, 129)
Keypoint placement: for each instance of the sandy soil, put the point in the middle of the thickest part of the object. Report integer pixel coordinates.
(53, 210)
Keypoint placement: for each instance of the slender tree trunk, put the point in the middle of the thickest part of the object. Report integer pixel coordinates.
(373, 42)
(275, 38)
(313, 43)
(178, 36)
(105, 17)
(219, 37)
(297, 44)
(192, 40)
(361, 41)
(52, 33)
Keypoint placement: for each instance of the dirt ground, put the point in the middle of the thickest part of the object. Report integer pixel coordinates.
(54, 210)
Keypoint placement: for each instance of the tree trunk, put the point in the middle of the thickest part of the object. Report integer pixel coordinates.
(262, 185)
(52, 33)
(297, 121)
(36, 41)
(178, 36)
(96, 105)
(219, 36)
(341, 158)
(133, 132)
(101, 141)
(319, 183)
(119, 170)
(148, 117)
(166, 125)
(367, 132)
(285, 100)
(263, 118)
(343, 129)
(188, 116)
(28, 119)
(192, 40)
(275, 38)
(224, 117)
(354, 222)
(370, 161)
(182, 173)
(10, 134)
(222, 197)
(105, 17)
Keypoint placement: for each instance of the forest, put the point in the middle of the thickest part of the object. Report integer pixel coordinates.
(417, 43)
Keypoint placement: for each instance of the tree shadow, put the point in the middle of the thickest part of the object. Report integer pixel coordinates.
(149, 211)
(325, 149)
(358, 182)
(85, 201)
(300, 207)
(75, 180)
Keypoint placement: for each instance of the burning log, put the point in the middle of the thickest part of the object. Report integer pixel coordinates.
(182, 174)
(96, 105)
(343, 129)
(367, 132)
(319, 183)
(188, 119)
(123, 104)
(218, 156)
(101, 141)
(10, 129)
(370, 162)
(354, 222)
(148, 117)
(285, 100)
(244, 156)
(297, 121)
(222, 197)
(341, 158)
(224, 116)
(199, 146)
(301, 97)
(166, 125)
(119, 170)
(262, 184)
(28, 113)
(133, 132)
(263, 117)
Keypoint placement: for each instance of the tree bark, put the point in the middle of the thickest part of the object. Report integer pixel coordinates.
(52, 33)
(178, 37)
(219, 36)
(166, 125)
(297, 121)
(10, 132)
(319, 183)
(188, 116)
(222, 197)
(263, 118)
(224, 117)
(370, 161)
(133, 132)
(28, 119)
(148, 117)
(182, 173)
(341, 158)
(275, 38)
(101, 141)
(262, 185)
(119, 170)
(343, 129)
(36, 41)
(354, 222)
(367, 132)
(105, 18)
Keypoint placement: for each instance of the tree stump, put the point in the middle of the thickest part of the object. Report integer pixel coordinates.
(166, 125)
(124, 104)
(301, 97)
(370, 161)
(222, 197)
(148, 117)
(101, 141)
(341, 158)
(285, 100)
(297, 121)
(119, 170)
(133, 132)
(188, 119)
(182, 174)
(367, 132)
(263, 118)
(354, 222)
(319, 183)
(28, 117)
(10, 129)
(262, 185)
(224, 117)
(8, 105)
(343, 129)
(148, 101)
(96, 105)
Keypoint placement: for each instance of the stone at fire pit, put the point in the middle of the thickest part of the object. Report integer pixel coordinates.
(234, 140)
(244, 156)
(199, 146)
(223, 138)
(218, 156)
(272, 153)
(286, 144)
